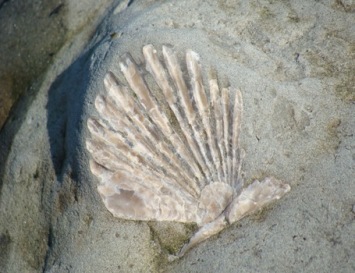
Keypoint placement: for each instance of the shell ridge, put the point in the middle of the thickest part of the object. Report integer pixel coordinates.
(160, 76)
(103, 140)
(186, 101)
(157, 71)
(146, 128)
(218, 117)
(197, 123)
(237, 116)
(226, 138)
(166, 147)
(138, 85)
(143, 147)
(107, 153)
(203, 104)
(186, 108)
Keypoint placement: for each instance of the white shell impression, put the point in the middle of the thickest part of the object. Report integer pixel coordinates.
(168, 150)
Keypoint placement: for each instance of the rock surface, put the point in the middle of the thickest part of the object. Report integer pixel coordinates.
(293, 61)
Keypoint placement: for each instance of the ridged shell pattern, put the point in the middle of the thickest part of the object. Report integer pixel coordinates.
(165, 144)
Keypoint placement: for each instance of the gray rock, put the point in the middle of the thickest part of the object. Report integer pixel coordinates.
(292, 62)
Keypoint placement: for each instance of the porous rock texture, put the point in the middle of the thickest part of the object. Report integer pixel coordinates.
(294, 63)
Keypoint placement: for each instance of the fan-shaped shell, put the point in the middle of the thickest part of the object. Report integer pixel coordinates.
(168, 150)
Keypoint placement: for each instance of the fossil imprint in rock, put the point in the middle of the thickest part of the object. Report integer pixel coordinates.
(169, 151)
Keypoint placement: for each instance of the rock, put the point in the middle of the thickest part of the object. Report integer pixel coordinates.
(291, 62)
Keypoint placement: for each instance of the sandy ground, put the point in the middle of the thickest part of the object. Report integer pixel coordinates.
(294, 63)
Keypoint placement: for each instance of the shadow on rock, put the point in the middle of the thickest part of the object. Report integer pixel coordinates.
(65, 108)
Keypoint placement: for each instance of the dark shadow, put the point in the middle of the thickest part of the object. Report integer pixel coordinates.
(65, 107)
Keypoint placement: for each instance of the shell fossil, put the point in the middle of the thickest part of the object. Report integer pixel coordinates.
(168, 150)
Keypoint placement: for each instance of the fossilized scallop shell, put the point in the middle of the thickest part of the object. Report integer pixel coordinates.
(168, 151)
